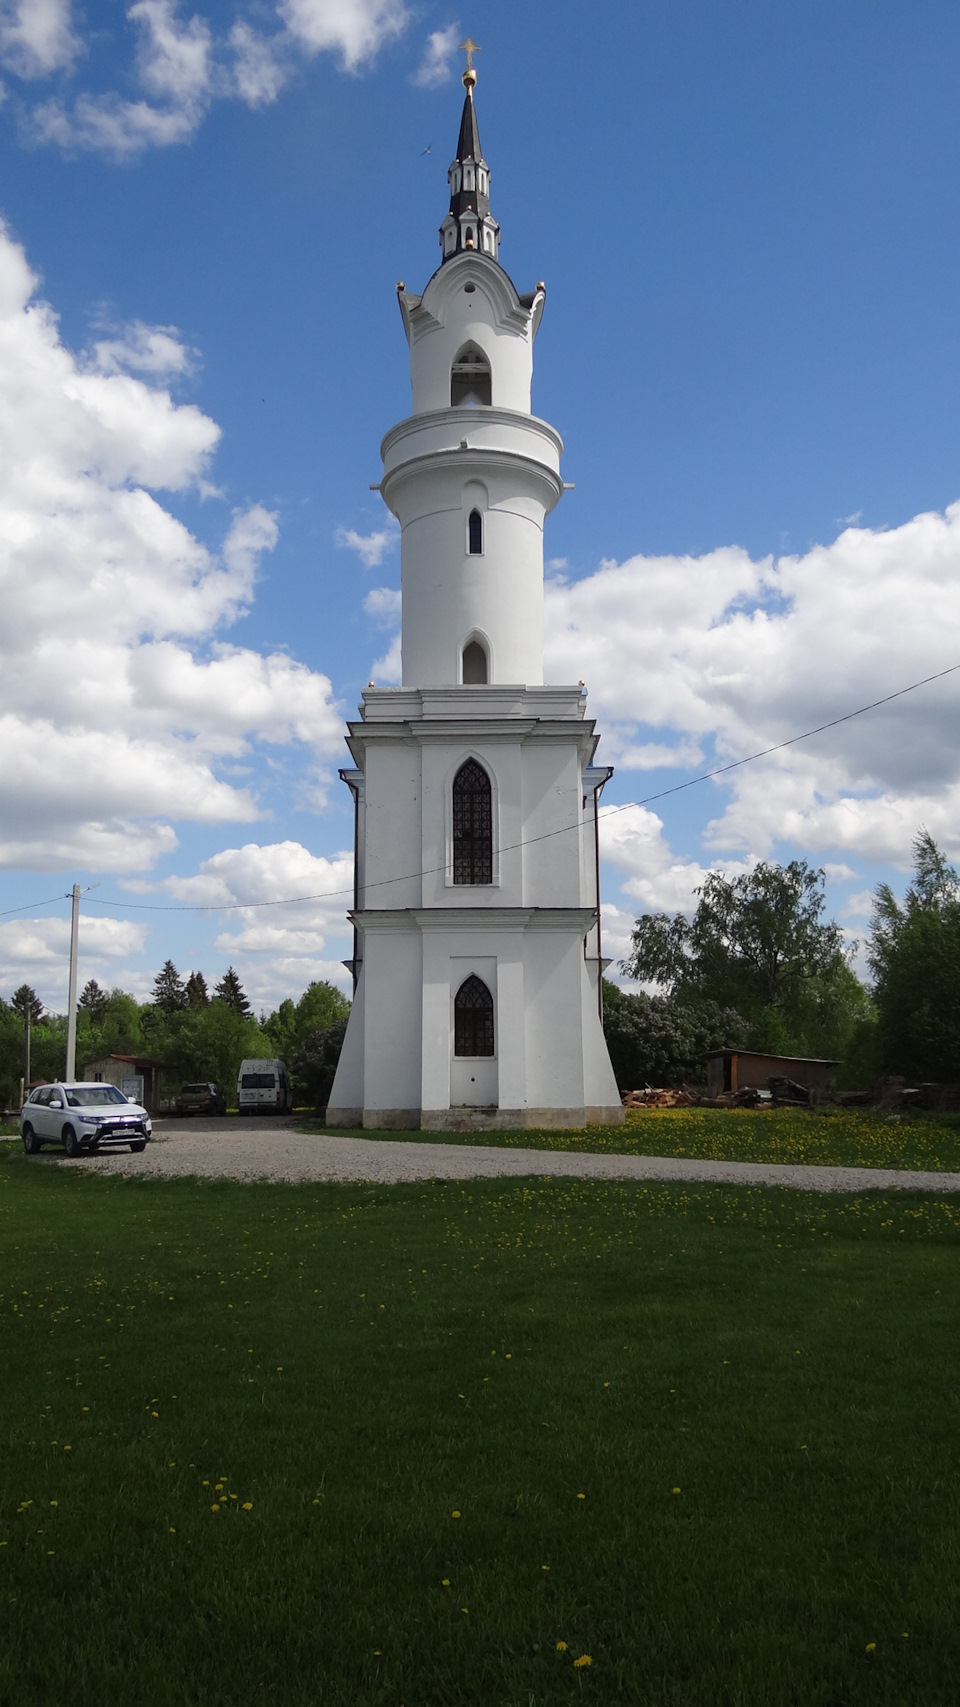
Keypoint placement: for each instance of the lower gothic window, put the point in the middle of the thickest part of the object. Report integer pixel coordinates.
(473, 1018)
(472, 825)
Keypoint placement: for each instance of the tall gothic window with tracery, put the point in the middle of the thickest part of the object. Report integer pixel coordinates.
(473, 1018)
(472, 825)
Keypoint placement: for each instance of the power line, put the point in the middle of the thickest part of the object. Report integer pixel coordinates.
(528, 841)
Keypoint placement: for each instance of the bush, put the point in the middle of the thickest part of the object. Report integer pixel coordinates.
(660, 1040)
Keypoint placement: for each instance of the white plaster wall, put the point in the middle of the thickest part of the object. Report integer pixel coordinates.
(393, 974)
(347, 1089)
(552, 962)
(552, 802)
(599, 1085)
(392, 834)
(449, 595)
(478, 316)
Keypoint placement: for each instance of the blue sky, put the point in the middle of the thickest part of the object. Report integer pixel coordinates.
(747, 219)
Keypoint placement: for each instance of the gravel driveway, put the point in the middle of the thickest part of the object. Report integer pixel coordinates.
(248, 1151)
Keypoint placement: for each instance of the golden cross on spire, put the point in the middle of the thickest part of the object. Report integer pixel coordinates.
(469, 48)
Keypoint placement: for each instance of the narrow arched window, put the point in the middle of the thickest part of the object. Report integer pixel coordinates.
(473, 1018)
(475, 534)
(474, 664)
(472, 825)
(470, 378)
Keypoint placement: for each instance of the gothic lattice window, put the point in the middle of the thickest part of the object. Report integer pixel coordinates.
(472, 825)
(473, 1018)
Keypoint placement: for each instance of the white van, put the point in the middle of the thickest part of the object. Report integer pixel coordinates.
(263, 1087)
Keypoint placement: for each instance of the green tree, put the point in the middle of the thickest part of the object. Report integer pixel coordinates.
(93, 1001)
(230, 991)
(759, 944)
(316, 1062)
(169, 994)
(753, 940)
(198, 996)
(914, 954)
(661, 1040)
(24, 1001)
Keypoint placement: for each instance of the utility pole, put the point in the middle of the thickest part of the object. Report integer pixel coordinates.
(71, 1068)
(27, 1022)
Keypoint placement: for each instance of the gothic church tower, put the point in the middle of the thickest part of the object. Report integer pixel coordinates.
(477, 951)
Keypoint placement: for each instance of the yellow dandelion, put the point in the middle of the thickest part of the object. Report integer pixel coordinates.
(248, 1505)
(561, 1647)
(871, 1648)
(584, 1660)
(54, 1502)
(214, 1508)
(581, 1496)
(173, 1532)
(454, 1514)
(675, 1490)
(445, 1583)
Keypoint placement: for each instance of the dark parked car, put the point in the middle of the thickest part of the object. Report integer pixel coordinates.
(200, 1099)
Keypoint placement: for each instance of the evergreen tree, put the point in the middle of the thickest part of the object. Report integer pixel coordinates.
(169, 994)
(94, 1001)
(198, 996)
(24, 1001)
(230, 991)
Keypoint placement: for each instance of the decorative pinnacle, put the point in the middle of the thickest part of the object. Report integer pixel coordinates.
(469, 77)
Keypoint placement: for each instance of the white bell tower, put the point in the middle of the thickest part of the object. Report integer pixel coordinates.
(477, 959)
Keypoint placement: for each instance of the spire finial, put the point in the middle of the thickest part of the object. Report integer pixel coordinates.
(469, 77)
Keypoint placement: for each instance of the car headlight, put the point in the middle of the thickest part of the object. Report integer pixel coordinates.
(90, 1119)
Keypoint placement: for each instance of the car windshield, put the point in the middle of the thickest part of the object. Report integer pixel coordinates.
(195, 1091)
(94, 1096)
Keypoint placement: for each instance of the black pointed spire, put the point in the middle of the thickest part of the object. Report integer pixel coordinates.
(469, 223)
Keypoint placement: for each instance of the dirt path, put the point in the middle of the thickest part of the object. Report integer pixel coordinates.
(248, 1151)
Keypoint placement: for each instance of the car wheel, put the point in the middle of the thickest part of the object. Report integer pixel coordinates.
(31, 1142)
(138, 1145)
(71, 1143)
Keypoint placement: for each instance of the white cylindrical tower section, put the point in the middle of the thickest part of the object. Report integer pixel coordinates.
(470, 476)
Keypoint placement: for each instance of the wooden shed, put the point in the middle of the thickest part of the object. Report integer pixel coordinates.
(747, 1069)
(134, 1075)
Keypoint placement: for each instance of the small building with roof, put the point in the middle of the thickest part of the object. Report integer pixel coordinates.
(749, 1069)
(134, 1075)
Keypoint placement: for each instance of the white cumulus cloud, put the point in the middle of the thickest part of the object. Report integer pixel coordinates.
(37, 37)
(683, 652)
(435, 67)
(120, 697)
(369, 547)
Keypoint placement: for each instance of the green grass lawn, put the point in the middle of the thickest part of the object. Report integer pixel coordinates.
(830, 1137)
(430, 1445)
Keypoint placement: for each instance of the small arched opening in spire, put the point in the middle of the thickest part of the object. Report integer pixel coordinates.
(475, 671)
(473, 1018)
(475, 534)
(472, 825)
(471, 381)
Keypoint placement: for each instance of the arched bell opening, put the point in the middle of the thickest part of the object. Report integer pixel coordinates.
(473, 1018)
(471, 380)
(474, 664)
(472, 825)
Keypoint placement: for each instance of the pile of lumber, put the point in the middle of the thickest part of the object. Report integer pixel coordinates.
(650, 1097)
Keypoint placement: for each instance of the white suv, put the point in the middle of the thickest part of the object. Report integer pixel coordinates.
(82, 1117)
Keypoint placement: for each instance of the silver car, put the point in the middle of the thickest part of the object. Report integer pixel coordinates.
(82, 1117)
